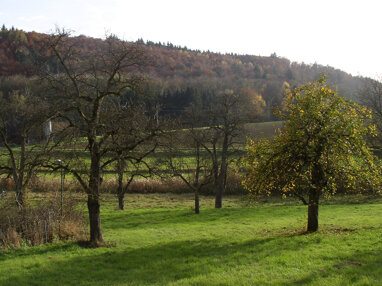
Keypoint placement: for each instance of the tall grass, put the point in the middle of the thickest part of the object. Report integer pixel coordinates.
(40, 221)
(140, 185)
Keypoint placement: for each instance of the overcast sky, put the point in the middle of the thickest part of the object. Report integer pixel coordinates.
(342, 34)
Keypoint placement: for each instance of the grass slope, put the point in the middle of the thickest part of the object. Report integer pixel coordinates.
(159, 241)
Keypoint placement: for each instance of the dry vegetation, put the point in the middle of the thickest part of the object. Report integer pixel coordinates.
(40, 220)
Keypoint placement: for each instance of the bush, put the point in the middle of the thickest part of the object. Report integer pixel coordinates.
(40, 222)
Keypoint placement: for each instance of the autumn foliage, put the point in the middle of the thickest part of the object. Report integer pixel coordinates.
(321, 148)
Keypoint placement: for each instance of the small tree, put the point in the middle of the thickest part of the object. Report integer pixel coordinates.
(185, 156)
(22, 119)
(132, 141)
(320, 149)
(224, 119)
(128, 166)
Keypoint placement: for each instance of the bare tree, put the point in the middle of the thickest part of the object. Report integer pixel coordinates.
(130, 166)
(133, 139)
(84, 83)
(224, 118)
(186, 158)
(23, 116)
(371, 96)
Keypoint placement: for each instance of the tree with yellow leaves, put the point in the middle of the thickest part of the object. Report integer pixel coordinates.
(320, 148)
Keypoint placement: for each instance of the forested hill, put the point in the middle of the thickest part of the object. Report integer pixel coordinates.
(180, 74)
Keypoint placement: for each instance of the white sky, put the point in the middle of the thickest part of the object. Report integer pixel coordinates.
(342, 34)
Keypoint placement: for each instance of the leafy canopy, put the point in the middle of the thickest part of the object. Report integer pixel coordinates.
(321, 146)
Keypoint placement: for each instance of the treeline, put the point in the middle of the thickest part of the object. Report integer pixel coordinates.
(179, 74)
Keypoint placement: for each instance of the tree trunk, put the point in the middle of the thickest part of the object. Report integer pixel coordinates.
(197, 173)
(94, 220)
(219, 197)
(197, 202)
(314, 195)
(220, 186)
(121, 201)
(19, 196)
(93, 197)
(120, 191)
(19, 188)
(222, 175)
(19, 178)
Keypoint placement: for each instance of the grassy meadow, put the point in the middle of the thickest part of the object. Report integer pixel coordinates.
(158, 240)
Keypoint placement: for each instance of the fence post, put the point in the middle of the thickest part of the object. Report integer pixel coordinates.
(46, 232)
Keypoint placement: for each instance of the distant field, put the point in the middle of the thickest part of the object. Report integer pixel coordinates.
(263, 129)
(252, 130)
(159, 241)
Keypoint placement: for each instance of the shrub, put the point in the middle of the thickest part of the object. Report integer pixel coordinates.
(40, 222)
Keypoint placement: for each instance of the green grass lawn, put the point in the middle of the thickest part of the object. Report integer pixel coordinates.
(159, 241)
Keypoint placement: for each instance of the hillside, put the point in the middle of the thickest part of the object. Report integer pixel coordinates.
(179, 75)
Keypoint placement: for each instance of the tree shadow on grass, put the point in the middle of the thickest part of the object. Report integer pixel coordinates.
(157, 264)
(60, 247)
